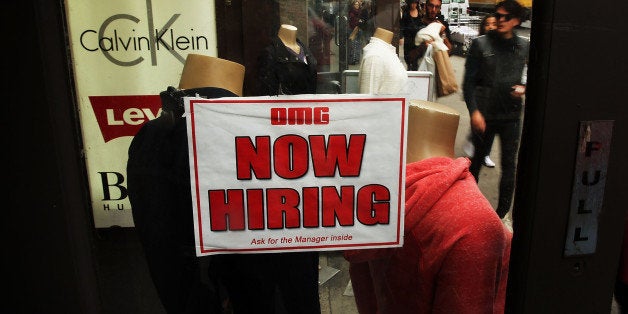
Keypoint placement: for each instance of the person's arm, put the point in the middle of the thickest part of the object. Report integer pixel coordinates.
(471, 79)
(446, 35)
(519, 91)
(448, 44)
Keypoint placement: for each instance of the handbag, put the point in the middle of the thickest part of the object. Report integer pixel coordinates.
(426, 63)
(445, 78)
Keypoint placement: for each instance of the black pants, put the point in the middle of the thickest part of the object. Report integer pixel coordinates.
(411, 64)
(509, 132)
(271, 283)
(487, 139)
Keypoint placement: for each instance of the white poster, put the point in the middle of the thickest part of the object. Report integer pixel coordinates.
(124, 53)
(296, 173)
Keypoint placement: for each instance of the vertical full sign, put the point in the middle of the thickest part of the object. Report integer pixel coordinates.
(294, 173)
(588, 187)
(124, 53)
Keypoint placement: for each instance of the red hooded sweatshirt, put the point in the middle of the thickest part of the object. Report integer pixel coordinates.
(455, 254)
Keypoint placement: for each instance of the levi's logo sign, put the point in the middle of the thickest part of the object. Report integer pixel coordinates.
(119, 116)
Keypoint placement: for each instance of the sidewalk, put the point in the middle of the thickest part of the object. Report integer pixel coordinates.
(489, 177)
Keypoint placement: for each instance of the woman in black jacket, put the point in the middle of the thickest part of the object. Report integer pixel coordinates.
(410, 24)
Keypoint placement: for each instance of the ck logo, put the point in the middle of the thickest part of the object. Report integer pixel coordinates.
(118, 39)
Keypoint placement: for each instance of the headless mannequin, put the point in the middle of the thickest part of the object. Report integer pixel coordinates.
(383, 34)
(286, 65)
(381, 71)
(288, 35)
(203, 71)
(432, 129)
(384, 281)
(159, 191)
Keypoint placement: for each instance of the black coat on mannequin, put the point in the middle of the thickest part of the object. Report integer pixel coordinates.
(159, 190)
(283, 73)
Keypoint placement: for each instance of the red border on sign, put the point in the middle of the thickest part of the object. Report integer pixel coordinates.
(400, 202)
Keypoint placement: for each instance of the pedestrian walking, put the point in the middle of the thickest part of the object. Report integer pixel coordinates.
(487, 24)
(493, 91)
(355, 32)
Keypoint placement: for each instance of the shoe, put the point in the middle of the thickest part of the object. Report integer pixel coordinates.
(468, 148)
(488, 162)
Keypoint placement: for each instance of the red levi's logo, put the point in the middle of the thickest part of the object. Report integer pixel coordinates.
(300, 115)
(119, 116)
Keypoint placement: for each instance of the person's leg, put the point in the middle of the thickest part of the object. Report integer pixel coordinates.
(487, 159)
(467, 147)
(509, 135)
(412, 64)
(406, 58)
(621, 282)
(621, 296)
(489, 143)
(480, 149)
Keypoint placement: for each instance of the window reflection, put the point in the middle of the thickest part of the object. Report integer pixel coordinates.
(324, 27)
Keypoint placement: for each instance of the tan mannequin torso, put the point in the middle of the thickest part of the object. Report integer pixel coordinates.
(432, 130)
(288, 35)
(205, 71)
(383, 34)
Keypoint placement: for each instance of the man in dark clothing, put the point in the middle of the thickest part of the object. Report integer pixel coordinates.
(412, 22)
(493, 91)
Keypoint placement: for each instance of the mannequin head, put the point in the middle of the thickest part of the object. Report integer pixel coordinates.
(288, 35)
(383, 34)
(432, 130)
(205, 71)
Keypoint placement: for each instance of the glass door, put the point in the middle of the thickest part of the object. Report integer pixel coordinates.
(337, 32)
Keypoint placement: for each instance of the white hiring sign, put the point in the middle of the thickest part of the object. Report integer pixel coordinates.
(297, 173)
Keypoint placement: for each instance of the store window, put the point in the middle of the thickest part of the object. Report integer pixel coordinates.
(138, 51)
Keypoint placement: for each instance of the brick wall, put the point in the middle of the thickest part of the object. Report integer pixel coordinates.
(294, 12)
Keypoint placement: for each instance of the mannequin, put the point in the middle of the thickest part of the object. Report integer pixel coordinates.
(383, 34)
(255, 282)
(159, 191)
(286, 65)
(288, 35)
(456, 250)
(432, 129)
(203, 71)
(381, 71)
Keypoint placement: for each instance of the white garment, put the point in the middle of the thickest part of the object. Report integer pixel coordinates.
(381, 71)
(431, 32)
(426, 63)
